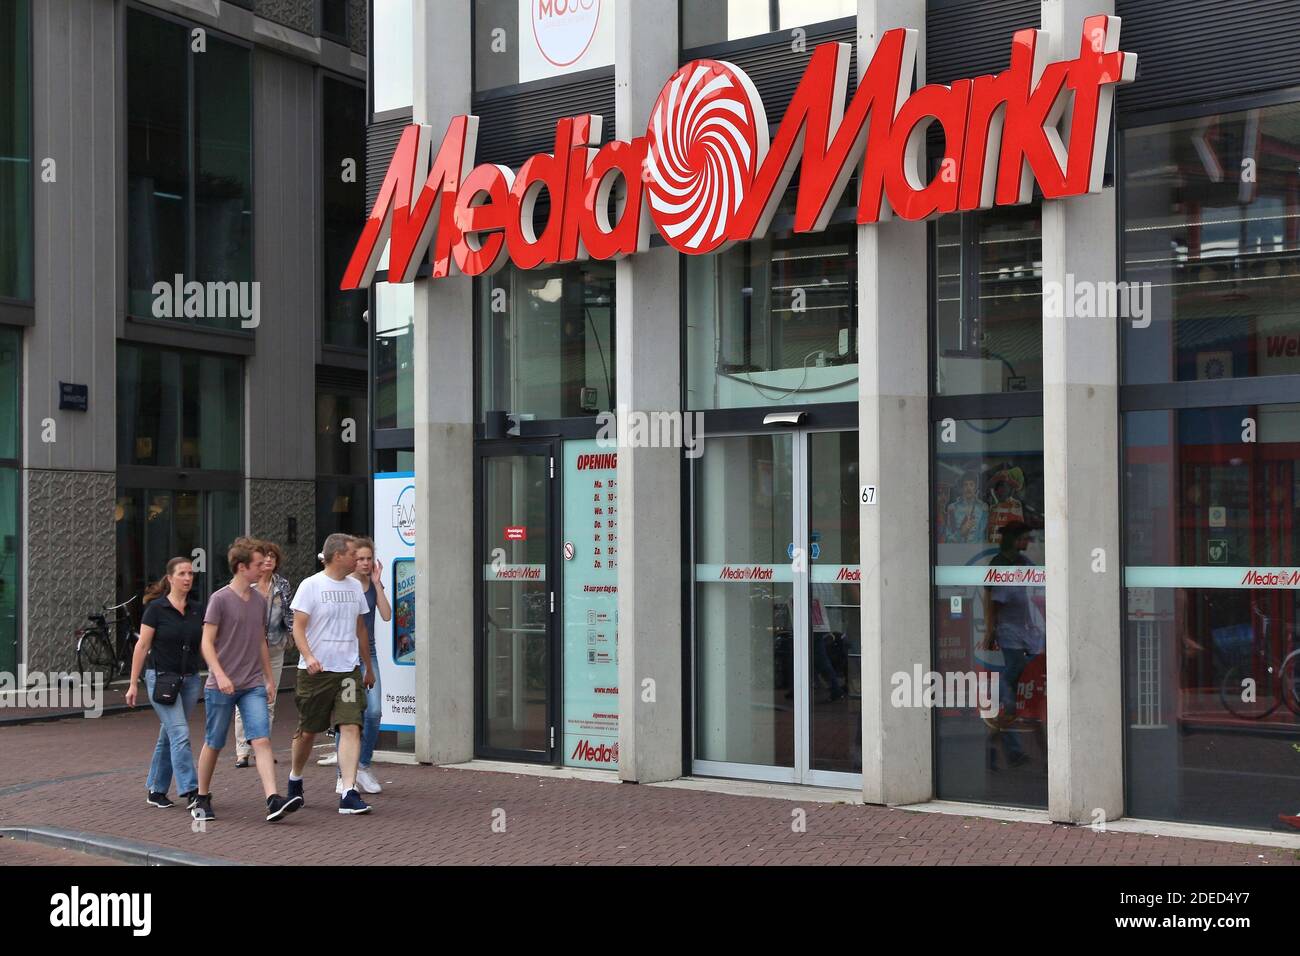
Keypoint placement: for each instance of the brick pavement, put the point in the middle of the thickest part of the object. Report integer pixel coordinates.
(89, 774)
(22, 853)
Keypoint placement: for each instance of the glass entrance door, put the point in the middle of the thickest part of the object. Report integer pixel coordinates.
(777, 659)
(515, 657)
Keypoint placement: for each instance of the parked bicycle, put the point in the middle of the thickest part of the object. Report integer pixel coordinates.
(1257, 685)
(106, 647)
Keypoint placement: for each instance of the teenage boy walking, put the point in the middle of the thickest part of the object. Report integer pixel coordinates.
(239, 667)
(329, 629)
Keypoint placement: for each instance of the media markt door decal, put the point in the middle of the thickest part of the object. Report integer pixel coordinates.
(590, 606)
(395, 523)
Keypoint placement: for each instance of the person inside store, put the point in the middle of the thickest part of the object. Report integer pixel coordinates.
(1015, 627)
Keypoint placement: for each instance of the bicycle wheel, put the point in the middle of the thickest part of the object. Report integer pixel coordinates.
(95, 654)
(1291, 682)
(123, 662)
(1249, 692)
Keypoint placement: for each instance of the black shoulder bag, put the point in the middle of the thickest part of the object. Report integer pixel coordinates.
(167, 684)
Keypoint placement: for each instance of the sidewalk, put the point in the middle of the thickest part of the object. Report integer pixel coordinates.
(89, 775)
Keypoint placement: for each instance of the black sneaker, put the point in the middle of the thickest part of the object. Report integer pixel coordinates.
(295, 790)
(160, 801)
(351, 802)
(203, 807)
(190, 799)
(277, 806)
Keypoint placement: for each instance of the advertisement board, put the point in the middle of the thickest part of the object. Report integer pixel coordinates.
(590, 571)
(395, 640)
(564, 36)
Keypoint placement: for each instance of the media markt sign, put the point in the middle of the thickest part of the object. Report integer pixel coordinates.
(708, 174)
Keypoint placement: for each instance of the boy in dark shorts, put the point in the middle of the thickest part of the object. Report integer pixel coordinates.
(239, 667)
(329, 630)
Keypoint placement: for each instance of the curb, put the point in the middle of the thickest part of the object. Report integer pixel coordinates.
(65, 715)
(117, 848)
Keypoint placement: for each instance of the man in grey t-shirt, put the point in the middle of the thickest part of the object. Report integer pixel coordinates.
(239, 666)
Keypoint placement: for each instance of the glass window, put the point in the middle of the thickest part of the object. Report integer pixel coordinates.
(15, 151)
(1212, 223)
(394, 325)
(990, 632)
(1212, 636)
(189, 168)
(391, 47)
(334, 20)
(714, 21)
(989, 301)
(774, 321)
(744, 619)
(341, 447)
(394, 460)
(343, 109)
(11, 356)
(155, 525)
(10, 360)
(179, 409)
(546, 341)
(517, 41)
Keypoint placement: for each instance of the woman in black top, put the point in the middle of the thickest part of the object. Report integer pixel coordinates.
(171, 633)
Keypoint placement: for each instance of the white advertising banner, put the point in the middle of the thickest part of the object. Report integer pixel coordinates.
(564, 36)
(395, 639)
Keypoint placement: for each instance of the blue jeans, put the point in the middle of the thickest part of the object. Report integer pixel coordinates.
(1016, 660)
(220, 711)
(374, 712)
(172, 753)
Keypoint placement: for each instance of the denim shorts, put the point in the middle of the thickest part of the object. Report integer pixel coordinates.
(220, 710)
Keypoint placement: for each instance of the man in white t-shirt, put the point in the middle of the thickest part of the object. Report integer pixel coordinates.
(329, 629)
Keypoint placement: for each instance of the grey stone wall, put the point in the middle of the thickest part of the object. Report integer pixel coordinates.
(357, 26)
(298, 14)
(69, 560)
(270, 505)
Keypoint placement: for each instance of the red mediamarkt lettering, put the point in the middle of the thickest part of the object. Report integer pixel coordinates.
(1000, 137)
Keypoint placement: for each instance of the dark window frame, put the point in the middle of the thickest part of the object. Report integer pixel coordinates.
(341, 39)
(340, 354)
(186, 325)
(13, 310)
(15, 465)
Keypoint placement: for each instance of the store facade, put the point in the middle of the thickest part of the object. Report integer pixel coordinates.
(1078, 368)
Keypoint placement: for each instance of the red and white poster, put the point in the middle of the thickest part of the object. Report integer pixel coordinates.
(564, 36)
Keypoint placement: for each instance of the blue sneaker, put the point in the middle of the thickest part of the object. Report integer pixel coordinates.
(295, 794)
(351, 802)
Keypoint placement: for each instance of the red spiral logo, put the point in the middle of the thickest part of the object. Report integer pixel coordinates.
(706, 140)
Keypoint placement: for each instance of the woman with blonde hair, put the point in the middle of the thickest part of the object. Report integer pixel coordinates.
(169, 653)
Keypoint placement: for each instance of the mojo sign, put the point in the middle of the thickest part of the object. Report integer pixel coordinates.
(707, 173)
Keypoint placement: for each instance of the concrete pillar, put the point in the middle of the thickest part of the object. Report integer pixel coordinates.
(1081, 477)
(893, 422)
(648, 360)
(444, 428)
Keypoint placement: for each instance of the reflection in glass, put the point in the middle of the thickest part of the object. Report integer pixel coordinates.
(343, 137)
(394, 322)
(392, 45)
(989, 301)
(990, 739)
(1212, 631)
(546, 341)
(8, 569)
(774, 322)
(1212, 222)
(835, 604)
(516, 604)
(744, 630)
(713, 21)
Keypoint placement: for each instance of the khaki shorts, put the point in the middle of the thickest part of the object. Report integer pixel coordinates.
(329, 699)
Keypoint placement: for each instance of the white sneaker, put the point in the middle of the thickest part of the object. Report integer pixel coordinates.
(338, 785)
(329, 759)
(366, 781)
